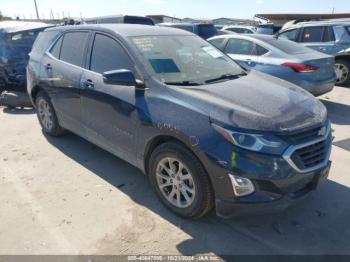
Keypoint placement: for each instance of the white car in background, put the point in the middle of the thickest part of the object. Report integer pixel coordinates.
(240, 29)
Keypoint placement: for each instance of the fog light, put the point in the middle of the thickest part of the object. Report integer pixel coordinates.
(241, 186)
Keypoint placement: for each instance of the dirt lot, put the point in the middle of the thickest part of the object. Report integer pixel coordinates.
(66, 196)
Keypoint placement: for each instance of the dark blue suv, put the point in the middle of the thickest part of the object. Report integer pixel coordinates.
(205, 131)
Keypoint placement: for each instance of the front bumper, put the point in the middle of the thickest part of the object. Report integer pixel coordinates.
(277, 183)
(258, 203)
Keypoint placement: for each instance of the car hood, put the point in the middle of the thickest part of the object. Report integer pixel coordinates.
(257, 102)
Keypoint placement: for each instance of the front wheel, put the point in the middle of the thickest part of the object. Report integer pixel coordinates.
(342, 70)
(180, 181)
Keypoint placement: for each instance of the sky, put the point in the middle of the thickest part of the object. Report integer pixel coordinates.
(177, 8)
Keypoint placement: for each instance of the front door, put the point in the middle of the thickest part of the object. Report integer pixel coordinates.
(108, 110)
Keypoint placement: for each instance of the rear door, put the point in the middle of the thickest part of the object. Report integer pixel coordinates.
(109, 110)
(63, 66)
(319, 38)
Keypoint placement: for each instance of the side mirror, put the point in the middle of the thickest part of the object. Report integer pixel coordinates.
(120, 77)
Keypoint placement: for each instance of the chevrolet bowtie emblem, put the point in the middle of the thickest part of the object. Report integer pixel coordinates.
(323, 131)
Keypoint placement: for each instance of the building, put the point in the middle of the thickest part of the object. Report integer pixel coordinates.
(157, 19)
(232, 21)
(281, 19)
(196, 20)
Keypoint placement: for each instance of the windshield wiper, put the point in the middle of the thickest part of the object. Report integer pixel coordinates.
(183, 83)
(226, 76)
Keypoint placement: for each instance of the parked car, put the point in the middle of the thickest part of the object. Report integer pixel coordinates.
(203, 30)
(16, 40)
(267, 29)
(329, 37)
(240, 29)
(119, 19)
(309, 69)
(204, 130)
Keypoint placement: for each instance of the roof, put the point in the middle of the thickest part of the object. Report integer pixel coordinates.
(127, 30)
(17, 26)
(316, 23)
(302, 16)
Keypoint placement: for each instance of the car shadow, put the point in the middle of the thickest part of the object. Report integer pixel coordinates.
(316, 225)
(338, 113)
(19, 111)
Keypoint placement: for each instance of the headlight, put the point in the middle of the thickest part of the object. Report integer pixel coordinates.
(254, 142)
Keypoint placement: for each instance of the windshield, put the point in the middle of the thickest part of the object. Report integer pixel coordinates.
(184, 59)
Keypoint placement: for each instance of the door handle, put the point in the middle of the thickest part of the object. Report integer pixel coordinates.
(88, 84)
(48, 67)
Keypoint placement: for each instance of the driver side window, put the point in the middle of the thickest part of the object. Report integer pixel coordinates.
(107, 54)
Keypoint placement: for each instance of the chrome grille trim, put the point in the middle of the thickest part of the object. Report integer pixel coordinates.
(291, 150)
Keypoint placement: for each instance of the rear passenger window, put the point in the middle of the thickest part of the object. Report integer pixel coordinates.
(261, 50)
(107, 54)
(313, 34)
(55, 50)
(239, 47)
(73, 47)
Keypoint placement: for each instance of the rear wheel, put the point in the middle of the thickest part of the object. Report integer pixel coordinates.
(180, 181)
(47, 115)
(342, 70)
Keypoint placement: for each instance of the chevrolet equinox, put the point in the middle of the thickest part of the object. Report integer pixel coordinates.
(205, 131)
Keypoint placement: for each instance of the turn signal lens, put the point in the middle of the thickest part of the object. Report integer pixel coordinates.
(241, 186)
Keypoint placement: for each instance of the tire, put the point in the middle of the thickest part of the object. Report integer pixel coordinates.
(200, 196)
(343, 67)
(47, 116)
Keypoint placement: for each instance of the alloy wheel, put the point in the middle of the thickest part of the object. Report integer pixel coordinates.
(175, 182)
(342, 73)
(45, 114)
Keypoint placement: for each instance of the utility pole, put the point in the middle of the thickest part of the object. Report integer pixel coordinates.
(36, 10)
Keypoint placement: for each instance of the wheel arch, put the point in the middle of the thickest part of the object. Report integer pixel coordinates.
(159, 140)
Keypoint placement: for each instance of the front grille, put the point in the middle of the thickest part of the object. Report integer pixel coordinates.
(310, 156)
(310, 149)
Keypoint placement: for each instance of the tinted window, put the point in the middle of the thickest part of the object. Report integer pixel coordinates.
(138, 20)
(73, 48)
(291, 34)
(55, 50)
(217, 42)
(260, 50)
(312, 34)
(206, 31)
(239, 47)
(328, 35)
(108, 55)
